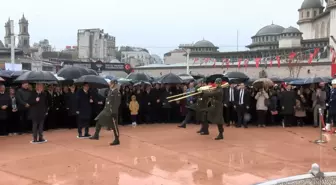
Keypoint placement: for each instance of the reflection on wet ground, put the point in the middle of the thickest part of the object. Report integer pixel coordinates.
(164, 155)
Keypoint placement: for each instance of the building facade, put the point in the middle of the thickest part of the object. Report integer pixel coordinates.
(317, 25)
(94, 44)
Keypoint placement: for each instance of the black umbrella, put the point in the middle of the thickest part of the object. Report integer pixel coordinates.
(103, 92)
(92, 80)
(171, 79)
(142, 83)
(276, 79)
(136, 77)
(212, 78)
(290, 79)
(11, 74)
(37, 77)
(236, 75)
(73, 72)
(92, 72)
(186, 78)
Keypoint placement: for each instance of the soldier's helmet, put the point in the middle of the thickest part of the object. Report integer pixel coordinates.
(218, 81)
(114, 80)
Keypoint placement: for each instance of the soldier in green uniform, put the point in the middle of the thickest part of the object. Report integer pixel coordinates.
(215, 111)
(109, 115)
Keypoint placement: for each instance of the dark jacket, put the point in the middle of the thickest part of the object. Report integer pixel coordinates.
(22, 97)
(215, 112)
(38, 109)
(84, 107)
(71, 103)
(4, 101)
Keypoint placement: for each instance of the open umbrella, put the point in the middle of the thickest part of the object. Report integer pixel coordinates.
(36, 77)
(310, 80)
(136, 77)
(2, 80)
(11, 74)
(212, 78)
(124, 81)
(276, 79)
(92, 72)
(236, 75)
(186, 78)
(73, 72)
(142, 83)
(263, 82)
(92, 80)
(171, 79)
(290, 79)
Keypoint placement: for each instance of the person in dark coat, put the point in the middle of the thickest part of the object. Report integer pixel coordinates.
(4, 106)
(22, 97)
(189, 101)
(166, 106)
(287, 103)
(51, 117)
(242, 104)
(332, 102)
(157, 103)
(38, 111)
(109, 115)
(215, 111)
(147, 104)
(71, 107)
(84, 111)
(14, 117)
(59, 107)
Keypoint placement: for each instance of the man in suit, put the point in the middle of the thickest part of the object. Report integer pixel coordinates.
(38, 111)
(229, 102)
(109, 115)
(242, 102)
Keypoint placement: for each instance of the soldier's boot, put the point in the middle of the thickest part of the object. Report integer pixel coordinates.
(183, 125)
(220, 130)
(96, 134)
(204, 133)
(220, 136)
(116, 137)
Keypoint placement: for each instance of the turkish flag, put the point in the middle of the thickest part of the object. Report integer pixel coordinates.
(246, 62)
(239, 61)
(291, 55)
(257, 61)
(214, 63)
(271, 62)
(311, 57)
(278, 60)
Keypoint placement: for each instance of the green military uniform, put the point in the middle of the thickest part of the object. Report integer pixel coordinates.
(108, 117)
(215, 110)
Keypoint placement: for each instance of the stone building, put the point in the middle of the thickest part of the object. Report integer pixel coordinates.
(317, 25)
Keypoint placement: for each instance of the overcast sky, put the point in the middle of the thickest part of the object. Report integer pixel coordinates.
(158, 25)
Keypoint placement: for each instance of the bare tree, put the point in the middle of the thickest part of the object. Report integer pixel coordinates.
(295, 65)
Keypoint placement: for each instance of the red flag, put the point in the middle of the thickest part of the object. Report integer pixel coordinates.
(271, 62)
(246, 63)
(292, 55)
(311, 57)
(214, 63)
(227, 63)
(333, 56)
(239, 61)
(278, 60)
(316, 51)
(195, 60)
(223, 60)
(206, 60)
(257, 61)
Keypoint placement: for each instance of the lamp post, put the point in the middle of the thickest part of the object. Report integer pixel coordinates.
(188, 52)
(12, 43)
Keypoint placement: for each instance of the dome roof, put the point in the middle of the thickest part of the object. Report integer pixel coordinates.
(307, 4)
(204, 43)
(272, 29)
(291, 30)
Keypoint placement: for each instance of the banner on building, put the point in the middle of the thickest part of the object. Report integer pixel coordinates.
(13, 67)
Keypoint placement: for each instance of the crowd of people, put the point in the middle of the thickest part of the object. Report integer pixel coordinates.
(70, 106)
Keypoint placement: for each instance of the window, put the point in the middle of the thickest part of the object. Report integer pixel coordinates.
(315, 13)
(25, 42)
(308, 14)
(24, 29)
(302, 14)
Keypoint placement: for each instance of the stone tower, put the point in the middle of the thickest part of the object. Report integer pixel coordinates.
(8, 33)
(331, 6)
(24, 37)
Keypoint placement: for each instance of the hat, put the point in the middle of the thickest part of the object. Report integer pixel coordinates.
(333, 82)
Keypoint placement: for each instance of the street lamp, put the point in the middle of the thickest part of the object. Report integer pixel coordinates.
(188, 52)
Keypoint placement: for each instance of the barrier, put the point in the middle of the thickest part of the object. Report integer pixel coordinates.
(321, 121)
(314, 177)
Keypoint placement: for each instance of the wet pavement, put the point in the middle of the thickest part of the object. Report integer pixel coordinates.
(164, 155)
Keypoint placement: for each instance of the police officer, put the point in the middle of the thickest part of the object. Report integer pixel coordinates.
(215, 111)
(109, 115)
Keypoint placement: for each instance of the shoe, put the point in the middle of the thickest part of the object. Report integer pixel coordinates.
(264, 126)
(94, 137)
(115, 142)
(220, 136)
(198, 132)
(41, 140)
(245, 126)
(87, 135)
(204, 133)
(182, 126)
(259, 125)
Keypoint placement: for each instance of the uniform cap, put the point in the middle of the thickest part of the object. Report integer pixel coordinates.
(333, 82)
